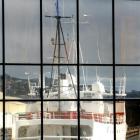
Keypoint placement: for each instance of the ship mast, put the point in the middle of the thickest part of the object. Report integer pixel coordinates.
(58, 43)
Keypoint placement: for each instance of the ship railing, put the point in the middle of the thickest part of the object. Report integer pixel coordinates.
(104, 118)
(54, 137)
(132, 131)
(97, 117)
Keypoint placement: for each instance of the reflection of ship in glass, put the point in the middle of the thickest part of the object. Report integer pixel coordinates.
(60, 118)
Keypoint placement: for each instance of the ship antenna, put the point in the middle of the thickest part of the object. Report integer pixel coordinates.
(100, 61)
(58, 43)
(98, 49)
(124, 82)
(57, 8)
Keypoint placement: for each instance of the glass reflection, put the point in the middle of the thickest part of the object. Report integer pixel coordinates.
(65, 38)
(23, 118)
(121, 124)
(22, 31)
(60, 120)
(96, 31)
(96, 120)
(22, 82)
(128, 118)
(130, 82)
(1, 120)
(1, 83)
(0, 31)
(95, 80)
(60, 82)
(127, 31)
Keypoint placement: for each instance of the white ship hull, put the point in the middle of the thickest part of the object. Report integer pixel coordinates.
(65, 126)
(63, 129)
(60, 118)
(105, 131)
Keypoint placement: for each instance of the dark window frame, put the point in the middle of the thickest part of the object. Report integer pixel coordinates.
(41, 64)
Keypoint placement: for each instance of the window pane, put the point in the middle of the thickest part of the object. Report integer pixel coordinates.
(60, 120)
(129, 85)
(95, 82)
(50, 50)
(62, 85)
(0, 32)
(96, 120)
(127, 31)
(1, 120)
(22, 31)
(96, 31)
(121, 118)
(127, 120)
(22, 82)
(24, 119)
(1, 83)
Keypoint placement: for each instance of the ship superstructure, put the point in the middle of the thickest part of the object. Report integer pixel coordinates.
(60, 118)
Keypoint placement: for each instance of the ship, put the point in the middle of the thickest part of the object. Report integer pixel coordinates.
(60, 109)
(60, 118)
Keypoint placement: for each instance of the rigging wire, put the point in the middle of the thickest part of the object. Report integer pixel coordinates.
(98, 49)
(99, 57)
(85, 84)
(59, 31)
(67, 58)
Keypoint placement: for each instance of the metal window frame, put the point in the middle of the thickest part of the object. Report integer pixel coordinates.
(78, 64)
